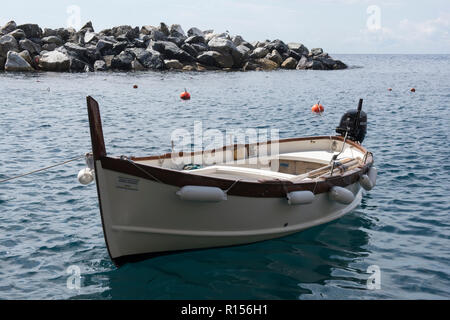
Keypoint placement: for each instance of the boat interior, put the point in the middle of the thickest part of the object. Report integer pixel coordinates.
(293, 160)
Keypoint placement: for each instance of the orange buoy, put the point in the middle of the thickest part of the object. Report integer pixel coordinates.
(317, 108)
(185, 95)
(135, 86)
(413, 90)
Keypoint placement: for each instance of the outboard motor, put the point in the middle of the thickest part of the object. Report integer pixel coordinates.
(354, 124)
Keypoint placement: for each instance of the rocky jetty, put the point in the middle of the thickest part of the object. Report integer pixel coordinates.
(27, 48)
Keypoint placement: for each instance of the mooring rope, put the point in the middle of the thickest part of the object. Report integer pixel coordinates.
(144, 171)
(42, 169)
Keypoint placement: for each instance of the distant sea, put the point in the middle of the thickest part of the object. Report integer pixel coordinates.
(49, 222)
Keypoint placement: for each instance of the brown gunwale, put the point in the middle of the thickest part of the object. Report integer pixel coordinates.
(265, 189)
(180, 154)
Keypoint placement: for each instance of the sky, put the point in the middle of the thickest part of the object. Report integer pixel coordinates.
(337, 26)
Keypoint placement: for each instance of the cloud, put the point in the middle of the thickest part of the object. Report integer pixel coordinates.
(438, 28)
(429, 36)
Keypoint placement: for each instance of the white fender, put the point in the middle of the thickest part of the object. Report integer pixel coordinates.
(85, 176)
(341, 195)
(365, 182)
(300, 197)
(373, 175)
(200, 193)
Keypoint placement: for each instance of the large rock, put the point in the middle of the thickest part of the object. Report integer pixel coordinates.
(132, 34)
(318, 65)
(122, 61)
(289, 63)
(87, 27)
(30, 46)
(8, 27)
(18, 34)
(75, 50)
(2, 63)
(237, 40)
(137, 66)
(259, 52)
(275, 57)
(32, 31)
(240, 55)
(90, 37)
(227, 47)
(221, 45)
(103, 46)
(195, 39)
(49, 47)
(329, 63)
(189, 49)
(77, 65)
(173, 64)
(278, 45)
(316, 51)
(157, 35)
(216, 59)
(118, 47)
(26, 56)
(108, 61)
(14, 62)
(92, 54)
(146, 30)
(8, 43)
(266, 64)
(308, 63)
(171, 51)
(298, 48)
(120, 31)
(176, 31)
(195, 32)
(251, 65)
(47, 32)
(164, 29)
(304, 63)
(244, 50)
(200, 47)
(293, 54)
(100, 65)
(178, 41)
(54, 61)
(248, 45)
(53, 39)
(65, 33)
(149, 59)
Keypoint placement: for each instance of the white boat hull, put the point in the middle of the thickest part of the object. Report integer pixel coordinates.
(141, 216)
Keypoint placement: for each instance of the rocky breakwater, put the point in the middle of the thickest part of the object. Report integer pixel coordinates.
(27, 47)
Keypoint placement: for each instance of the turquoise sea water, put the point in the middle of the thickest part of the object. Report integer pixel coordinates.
(48, 221)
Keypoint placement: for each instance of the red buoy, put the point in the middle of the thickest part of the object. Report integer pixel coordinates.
(135, 86)
(185, 95)
(317, 108)
(413, 90)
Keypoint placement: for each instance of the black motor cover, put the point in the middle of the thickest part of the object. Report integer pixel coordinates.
(355, 121)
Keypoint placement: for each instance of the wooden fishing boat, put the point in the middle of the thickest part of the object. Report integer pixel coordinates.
(154, 205)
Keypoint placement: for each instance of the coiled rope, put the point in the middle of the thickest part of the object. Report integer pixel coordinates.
(42, 169)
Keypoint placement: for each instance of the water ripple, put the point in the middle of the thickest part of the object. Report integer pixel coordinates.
(49, 222)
